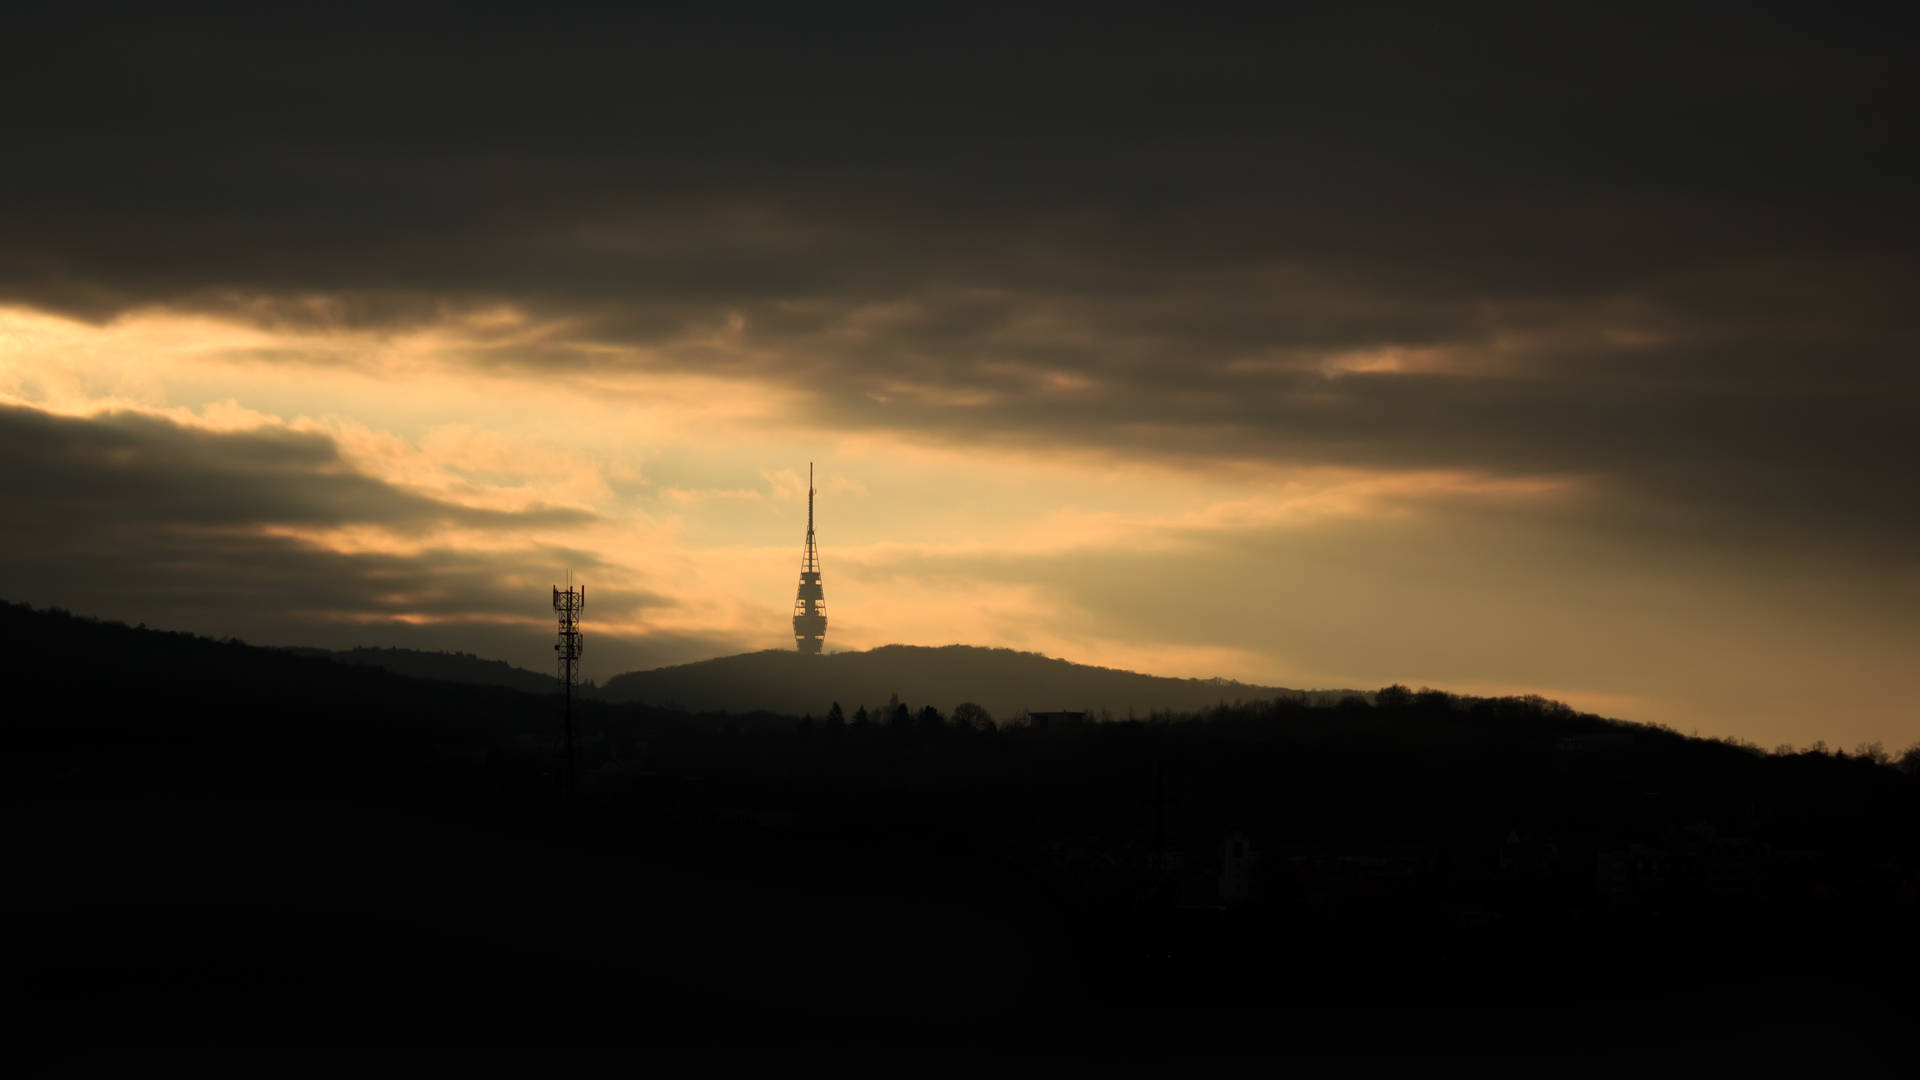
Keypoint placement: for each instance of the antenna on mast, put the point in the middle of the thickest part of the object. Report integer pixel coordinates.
(568, 603)
(810, 606)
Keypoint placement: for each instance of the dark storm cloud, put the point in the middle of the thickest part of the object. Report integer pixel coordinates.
(753, 154)
(144, 471)
(1668, 248)
(133, 514)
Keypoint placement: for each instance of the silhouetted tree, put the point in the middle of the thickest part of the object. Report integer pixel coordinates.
(900, 718)
(860, 717)
(930, 719)
(972, 716)
(1393, 697)
(1910, 760)
(836, 718)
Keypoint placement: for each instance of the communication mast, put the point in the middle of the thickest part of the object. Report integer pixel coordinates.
(810, 606)
(568, 603)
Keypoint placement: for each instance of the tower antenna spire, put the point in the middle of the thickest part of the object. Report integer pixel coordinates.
(810, 606)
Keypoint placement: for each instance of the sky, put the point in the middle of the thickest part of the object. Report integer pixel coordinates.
(1499, 351)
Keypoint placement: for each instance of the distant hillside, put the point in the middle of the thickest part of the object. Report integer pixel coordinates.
(444, 666)
(1002, 680)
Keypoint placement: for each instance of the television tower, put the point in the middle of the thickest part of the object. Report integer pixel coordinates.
(810, 607)
(568, 603)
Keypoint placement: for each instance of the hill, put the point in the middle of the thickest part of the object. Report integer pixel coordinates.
(450, 667)
(1004, 681)
(201, 829)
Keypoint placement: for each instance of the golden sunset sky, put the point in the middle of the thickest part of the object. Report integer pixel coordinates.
(1343, 352)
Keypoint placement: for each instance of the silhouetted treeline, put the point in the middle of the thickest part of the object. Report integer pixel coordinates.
(399, 849)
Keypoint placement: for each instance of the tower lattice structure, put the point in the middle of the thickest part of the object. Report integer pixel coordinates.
(568, 603)
(810, 606)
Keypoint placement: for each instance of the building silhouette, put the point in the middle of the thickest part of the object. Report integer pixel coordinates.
(810, 606)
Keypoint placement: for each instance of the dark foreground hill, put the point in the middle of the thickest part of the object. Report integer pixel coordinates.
(215, 845)
(456, 667)
(1003, 681)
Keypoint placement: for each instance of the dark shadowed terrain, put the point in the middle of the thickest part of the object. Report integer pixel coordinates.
(444, 666)
(1003, 681)
(212, 845)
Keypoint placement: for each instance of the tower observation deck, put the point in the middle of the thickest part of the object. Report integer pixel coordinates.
(810, 606)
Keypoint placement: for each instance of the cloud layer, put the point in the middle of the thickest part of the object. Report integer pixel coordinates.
(1623, 297)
